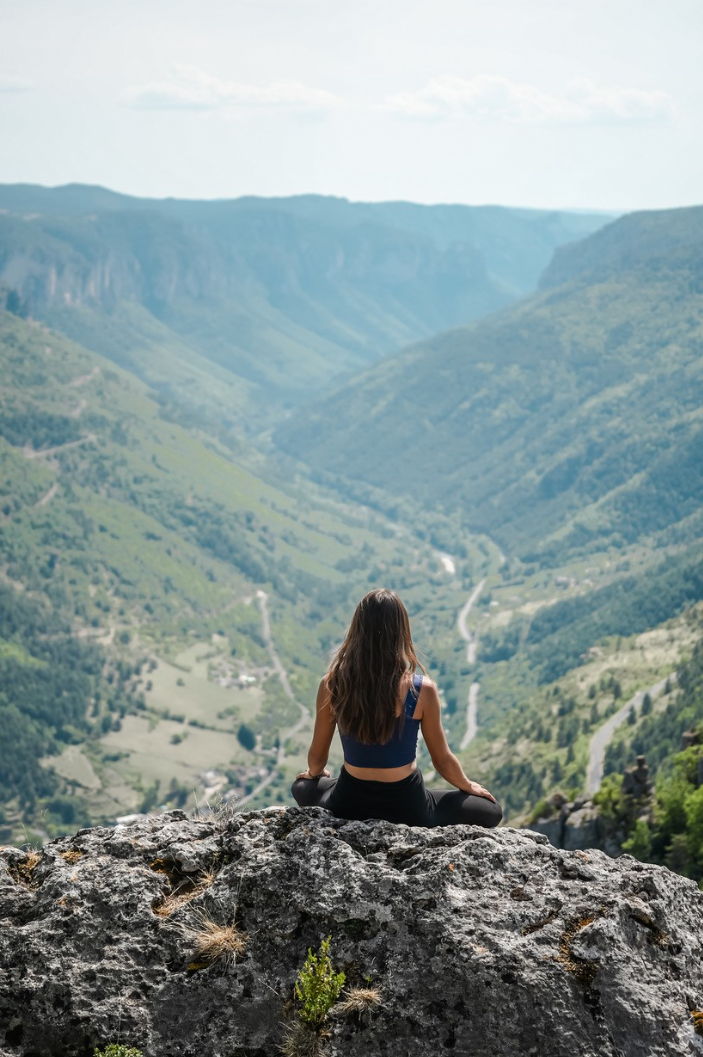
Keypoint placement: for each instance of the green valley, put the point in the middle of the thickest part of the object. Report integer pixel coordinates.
(138, 556)
(205, 465)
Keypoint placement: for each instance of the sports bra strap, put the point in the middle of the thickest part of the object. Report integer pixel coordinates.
(412, 696)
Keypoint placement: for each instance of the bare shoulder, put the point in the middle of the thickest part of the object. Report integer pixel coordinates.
(428, 698)
(428, 685)
(324, 696)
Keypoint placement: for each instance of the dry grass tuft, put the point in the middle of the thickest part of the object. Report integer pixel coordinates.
(22, 872)
(358, 1001)
(215, 943)
(187, 891)
(71, 856)
(303, 1041)
(697, 1016)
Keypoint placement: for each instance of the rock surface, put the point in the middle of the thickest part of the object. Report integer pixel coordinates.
(483, 943)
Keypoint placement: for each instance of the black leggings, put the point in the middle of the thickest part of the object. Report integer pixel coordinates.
(407, 801)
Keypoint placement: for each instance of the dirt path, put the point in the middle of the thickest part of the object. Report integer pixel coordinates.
(82, 379)
(285, 682)
(48, 496)
(604, 735)
(78, 411)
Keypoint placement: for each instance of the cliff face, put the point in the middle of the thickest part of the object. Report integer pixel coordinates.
(482, 943)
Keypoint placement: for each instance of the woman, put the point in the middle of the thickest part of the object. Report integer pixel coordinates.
(371, 694)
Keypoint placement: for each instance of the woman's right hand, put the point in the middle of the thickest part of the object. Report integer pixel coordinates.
(478, 790)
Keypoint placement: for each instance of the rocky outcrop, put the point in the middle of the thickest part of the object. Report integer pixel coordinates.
(481, 943)
(579, 824)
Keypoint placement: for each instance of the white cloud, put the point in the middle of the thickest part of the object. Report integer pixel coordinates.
(10, 82)
(191, 89)
(487, 97)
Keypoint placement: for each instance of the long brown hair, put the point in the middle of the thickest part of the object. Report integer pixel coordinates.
(365, 671)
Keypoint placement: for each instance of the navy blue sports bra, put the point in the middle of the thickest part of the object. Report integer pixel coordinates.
(402, 746)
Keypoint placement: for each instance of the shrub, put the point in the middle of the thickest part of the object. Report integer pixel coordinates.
(318, 986)
(542, 809)
(609, 799)
(639, 843)
(116, 1049)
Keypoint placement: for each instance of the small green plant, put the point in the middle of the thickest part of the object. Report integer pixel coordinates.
(318, 986)
(116, 1049)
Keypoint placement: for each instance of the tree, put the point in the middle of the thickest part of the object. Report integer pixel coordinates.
(632, 716)
(246, 737)
(693, 806)
(646, 704)
(639, 843)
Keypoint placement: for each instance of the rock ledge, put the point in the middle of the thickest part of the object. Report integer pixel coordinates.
(483, 943)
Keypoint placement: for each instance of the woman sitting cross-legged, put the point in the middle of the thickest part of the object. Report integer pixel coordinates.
(373, 696)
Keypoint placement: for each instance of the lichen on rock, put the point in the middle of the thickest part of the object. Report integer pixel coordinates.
(489, 943)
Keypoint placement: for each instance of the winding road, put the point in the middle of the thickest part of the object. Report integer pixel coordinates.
(604, 735)
(468, 637)
(471, 644)
(471, 716)
(285, 683)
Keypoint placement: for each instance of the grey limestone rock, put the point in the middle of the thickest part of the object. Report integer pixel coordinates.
(579, 826)
(482, 943)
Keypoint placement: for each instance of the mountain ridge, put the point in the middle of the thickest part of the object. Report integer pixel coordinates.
(551, 424)
(296, 291)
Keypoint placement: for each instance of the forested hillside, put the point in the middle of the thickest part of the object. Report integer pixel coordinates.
(153, 578)
(271, 298)
(562, 426)
(672, 740)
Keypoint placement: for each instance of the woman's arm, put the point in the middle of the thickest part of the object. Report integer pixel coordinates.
(322, 735)
(443, 759)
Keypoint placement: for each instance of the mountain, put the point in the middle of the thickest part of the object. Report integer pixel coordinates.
(566, 424)
(276, 296)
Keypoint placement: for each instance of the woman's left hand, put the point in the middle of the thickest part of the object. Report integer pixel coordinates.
(306, 774)
(478, 790)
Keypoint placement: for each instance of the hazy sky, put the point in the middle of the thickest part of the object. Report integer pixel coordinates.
(552, 103)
